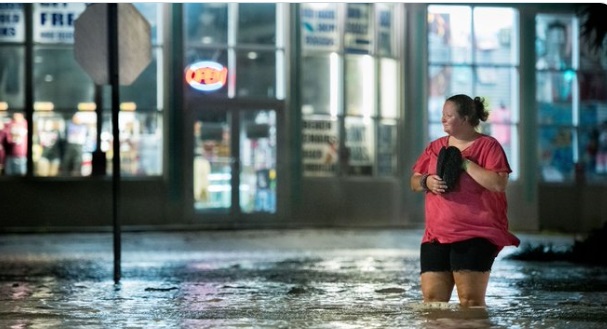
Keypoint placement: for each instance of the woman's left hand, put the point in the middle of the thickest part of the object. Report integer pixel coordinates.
(436, 185)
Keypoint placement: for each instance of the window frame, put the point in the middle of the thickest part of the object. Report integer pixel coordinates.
(449, 68)
(341, 54)
(580, 66)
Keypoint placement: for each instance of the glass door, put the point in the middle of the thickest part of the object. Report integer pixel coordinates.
(213, 161)
(257, 143)
(234, 156)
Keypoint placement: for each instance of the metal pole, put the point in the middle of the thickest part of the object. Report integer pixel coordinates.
(114, 82)
(99, 159)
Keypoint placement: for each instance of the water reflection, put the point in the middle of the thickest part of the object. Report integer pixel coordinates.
(450, 315)
(243, 288)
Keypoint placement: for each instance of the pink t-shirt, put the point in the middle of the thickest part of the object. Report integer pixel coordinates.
(470, 210)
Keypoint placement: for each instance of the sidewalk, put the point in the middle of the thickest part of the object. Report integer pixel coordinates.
(273, 279)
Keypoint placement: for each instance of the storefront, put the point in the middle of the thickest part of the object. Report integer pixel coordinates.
(301, 110)
(234, 106)
(241, 120)
(269, 114)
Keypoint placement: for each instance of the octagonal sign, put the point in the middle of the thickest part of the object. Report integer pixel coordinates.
(91, 43)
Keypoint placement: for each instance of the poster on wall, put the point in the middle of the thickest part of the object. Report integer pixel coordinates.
(54, 22)
(319, 26)
(12, 22)
(320, 155)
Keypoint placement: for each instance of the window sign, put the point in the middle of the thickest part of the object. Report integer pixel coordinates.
(12, 22)
(320, 147)
(385, 29)
(319, 26)
(357, 38)
(386, 149)
(54, 22)
(360, 142)
(206, 75)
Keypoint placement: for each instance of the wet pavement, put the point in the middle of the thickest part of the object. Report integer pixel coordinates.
(274, 279)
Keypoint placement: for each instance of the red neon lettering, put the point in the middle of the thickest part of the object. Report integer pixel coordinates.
(207, 75)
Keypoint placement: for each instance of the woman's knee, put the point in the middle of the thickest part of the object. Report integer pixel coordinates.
(470, 300)
(471, 287)
(437, 286)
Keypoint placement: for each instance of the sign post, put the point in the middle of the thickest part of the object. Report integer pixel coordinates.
(91, 42)
(117, 59)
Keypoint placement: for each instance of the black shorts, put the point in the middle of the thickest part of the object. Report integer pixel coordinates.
(475, 255)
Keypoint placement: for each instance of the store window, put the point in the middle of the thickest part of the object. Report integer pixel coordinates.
(388, 68)
(206, 23)
(361, 113)
(65, 121)
(13, 133)
(474, 51)
(257, 24)
(12, 37)
(59, 80)
(64, 124)
(387, 131)
(13, 127)
(319, 93)
(12, 78)
(572, 101)
(251, 49)
(140, 119)
(13, 152)
(64, 134)
(254, 76)
(343, 110)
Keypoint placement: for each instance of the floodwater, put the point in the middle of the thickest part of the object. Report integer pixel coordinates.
(274, 279)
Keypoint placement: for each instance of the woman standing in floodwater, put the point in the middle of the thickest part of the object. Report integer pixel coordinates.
(466, 226)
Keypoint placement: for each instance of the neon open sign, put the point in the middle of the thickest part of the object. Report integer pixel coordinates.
(206, 75)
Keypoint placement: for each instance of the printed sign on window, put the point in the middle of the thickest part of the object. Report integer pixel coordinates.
(384, 26)
(357, 38)
(386, 151)
(320, 147)
(54, 22)
(12, 22)
(359, 141)
(319, 26)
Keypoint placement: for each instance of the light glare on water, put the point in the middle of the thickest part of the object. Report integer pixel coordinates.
(235, 286)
